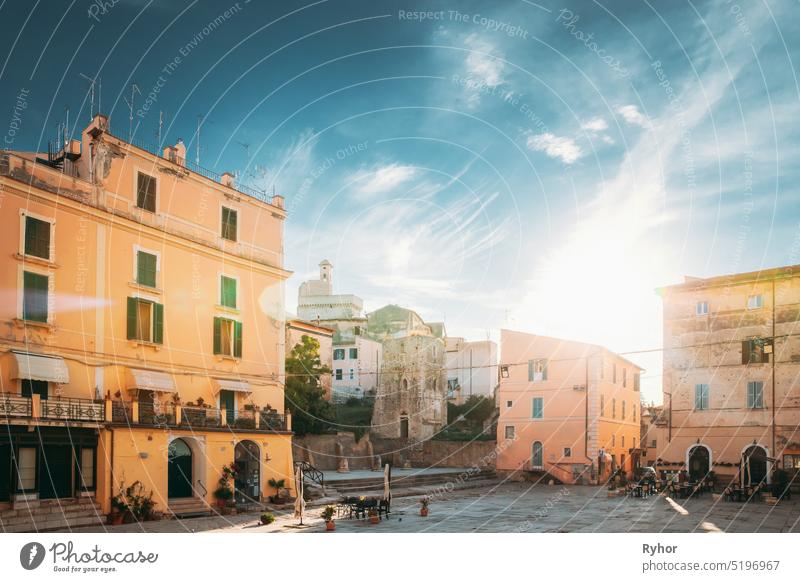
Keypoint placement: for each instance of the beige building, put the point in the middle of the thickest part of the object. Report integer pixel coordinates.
(567, 409)
(471, 368)
(731, 362)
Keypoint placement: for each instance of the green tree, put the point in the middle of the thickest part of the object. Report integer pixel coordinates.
(305, 397)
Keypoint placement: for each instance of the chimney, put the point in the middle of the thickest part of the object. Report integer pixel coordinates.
(228, 179)
(180, 152)
(169, 153)
(277, 200)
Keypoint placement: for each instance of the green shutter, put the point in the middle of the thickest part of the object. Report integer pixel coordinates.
(217, 335)
(37, 238)
(228, 291)
(145, 269)
(34, 302)
(237, 339)
(132, 318)
(158, 323)
(544, 371)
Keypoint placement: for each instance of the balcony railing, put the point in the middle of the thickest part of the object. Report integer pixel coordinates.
(132, 413)
(73, 409)
(15, 406)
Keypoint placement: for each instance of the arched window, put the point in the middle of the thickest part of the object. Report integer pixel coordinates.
(537, 455)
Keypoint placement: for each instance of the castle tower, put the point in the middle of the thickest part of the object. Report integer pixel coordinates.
(326, 275)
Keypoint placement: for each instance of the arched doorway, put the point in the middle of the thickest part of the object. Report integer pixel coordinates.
(403, 426)
(699, 463)
(754, 465)
(537, 456)
(247, 456)
(179, 471)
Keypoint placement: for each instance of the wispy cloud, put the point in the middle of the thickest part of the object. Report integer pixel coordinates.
(480, 65)
(562, 148)
(595, 125)
(381, 179)
(632, 115)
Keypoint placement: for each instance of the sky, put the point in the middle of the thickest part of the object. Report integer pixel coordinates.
(540, 166)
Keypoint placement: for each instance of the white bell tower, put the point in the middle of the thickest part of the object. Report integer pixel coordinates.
(326, 275)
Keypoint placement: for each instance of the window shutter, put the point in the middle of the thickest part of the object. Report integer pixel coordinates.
(746, 352)
(228, 291)
(35, 291)
(237, 339)
(530, 370)
(132, 318)
(146, 269)
(544, 370)
(217, 335)
(158, 323)
(37, 238)
(750, 394)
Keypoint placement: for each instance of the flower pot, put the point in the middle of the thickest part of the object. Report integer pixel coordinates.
(424, 512)
(117, 518)
(330, 525)
(374, 519)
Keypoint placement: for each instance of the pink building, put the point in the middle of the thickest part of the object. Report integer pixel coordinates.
(568, 410)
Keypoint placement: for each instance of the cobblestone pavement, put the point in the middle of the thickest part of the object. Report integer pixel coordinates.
(524, 508)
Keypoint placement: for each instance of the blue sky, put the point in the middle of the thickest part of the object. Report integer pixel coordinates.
(541, 166)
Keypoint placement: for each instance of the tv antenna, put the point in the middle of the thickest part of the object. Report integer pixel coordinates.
(134, 91)
(92, 82)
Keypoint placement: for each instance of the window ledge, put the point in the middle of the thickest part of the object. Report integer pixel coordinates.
(223, 358)
(19, 322)
(145, 344)
(36, 261)
(226, 309)
(145, 288)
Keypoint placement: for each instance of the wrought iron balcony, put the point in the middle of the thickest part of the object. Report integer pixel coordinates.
(73, 409)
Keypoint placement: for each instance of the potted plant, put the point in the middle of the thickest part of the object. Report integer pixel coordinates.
(373, 515)
(267, 518)
(118, 508)
(327, 515)
(423, 510)
(277, 485)
(224, 492)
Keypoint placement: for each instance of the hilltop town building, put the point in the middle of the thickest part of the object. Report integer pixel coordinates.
(143, 335)
(568, 410)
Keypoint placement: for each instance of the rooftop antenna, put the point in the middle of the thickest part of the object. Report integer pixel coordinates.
(160, 127)
(92, 82)
(197, 144)
(134, 91)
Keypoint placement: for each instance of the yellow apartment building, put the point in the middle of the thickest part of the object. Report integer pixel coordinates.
(568, 410)
(141, 332)
(731, 363)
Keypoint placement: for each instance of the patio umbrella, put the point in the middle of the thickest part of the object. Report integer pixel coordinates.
(386, 492)
(300, 503)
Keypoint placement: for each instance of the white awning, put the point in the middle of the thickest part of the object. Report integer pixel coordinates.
(232, 385)
(149, 380)
(39, 367)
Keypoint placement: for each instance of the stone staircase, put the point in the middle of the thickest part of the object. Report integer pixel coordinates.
(188, 507)
(51, 514)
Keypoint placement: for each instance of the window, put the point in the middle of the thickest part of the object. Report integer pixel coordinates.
(623, 442)
(624, 381)
(338, 354)
(227, 337)
(756, 351)
(352, 374)
(26, 469)
(34, 296)
(145, 320)
(353, 353)
(791, 461)
(146, 264)
(31, 387)
(755, 302)
(623, 409)
(229, 226)
(755, 395)
(338, 374)
(567, 451)
(509, 403)
(357, 330)
(87, 468)
(146, 192)
(602, 405)
(537, 370)
(510, 434)
(614, 372)
(613, 408)
(634, 413)
(654, 443)
(634, 442)
(701, 396)
(538, 407)
(37, 238)
(227, 291)
(701, 308)
(504, 371)
(637, 381)
(613, 440)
